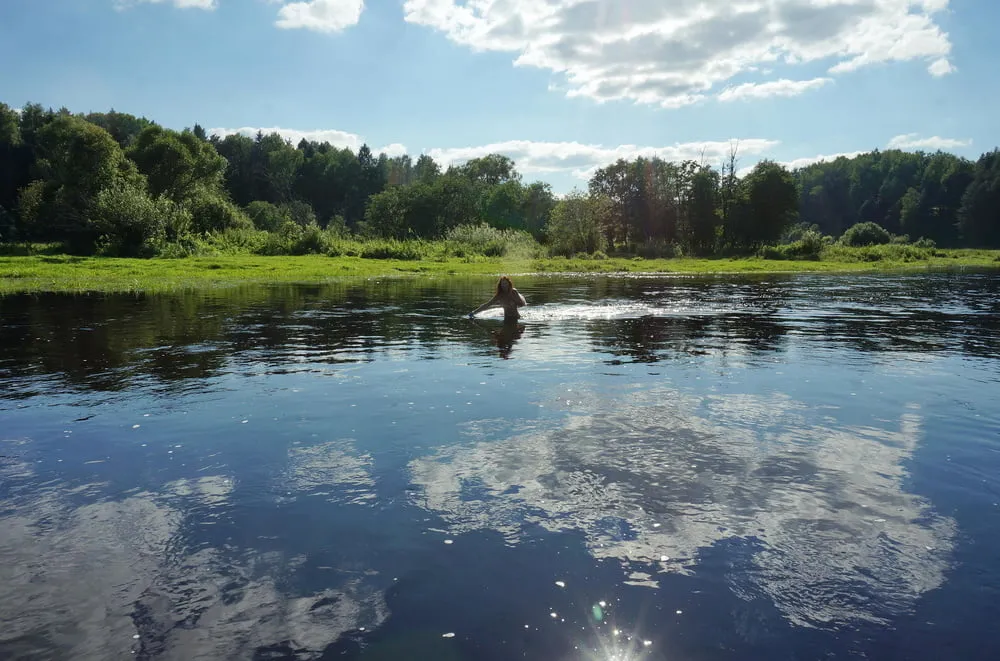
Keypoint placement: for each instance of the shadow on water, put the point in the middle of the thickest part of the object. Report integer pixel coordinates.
(769, 467)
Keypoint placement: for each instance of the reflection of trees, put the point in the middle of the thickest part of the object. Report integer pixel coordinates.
(654, 477)
(914, 314)
(914, 331)
(109, 342)
(651, 339)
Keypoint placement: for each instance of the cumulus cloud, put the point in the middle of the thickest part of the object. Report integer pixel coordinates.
(678, 53)
(341, 139)
(912, 141)
(941, 67)
(809, 160)
(907, 141)
(320, 15)
(581, 160)
(393, 149)
(782, 87)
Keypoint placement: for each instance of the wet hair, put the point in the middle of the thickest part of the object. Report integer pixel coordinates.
(500, 291)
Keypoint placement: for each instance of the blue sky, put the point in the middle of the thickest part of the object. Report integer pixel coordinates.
(562, 86)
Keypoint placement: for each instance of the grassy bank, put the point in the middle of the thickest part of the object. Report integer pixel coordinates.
(44, 273)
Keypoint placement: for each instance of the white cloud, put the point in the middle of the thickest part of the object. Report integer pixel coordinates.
(782, 87)
(340, 139)
(809, 160)
(941, 67)
(581, 160)
(677, 53)
(394, 149)
(544, 160)
(911, 141)
(320, 15)
(181, 4)
(908, 141)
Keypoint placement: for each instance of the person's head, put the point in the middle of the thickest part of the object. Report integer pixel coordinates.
(504, 285)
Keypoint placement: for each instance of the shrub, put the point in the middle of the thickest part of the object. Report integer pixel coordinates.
(128, 221)
(213, 212)
(798, 231)
(265, 216)
(299, 212)
(809, 246)
(865, 234)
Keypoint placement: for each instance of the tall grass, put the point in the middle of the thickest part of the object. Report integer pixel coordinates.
(888, 252)
(27, 249)
(489, 241)
(469, 242)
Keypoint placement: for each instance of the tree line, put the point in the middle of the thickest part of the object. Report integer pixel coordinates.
(118, 184)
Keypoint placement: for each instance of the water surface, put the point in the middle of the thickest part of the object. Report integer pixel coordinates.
(755, 467)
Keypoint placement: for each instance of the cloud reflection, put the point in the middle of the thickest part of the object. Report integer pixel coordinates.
(653, 476)
(118, 579)
(334, 469)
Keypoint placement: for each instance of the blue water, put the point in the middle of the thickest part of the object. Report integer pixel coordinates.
(766, 467)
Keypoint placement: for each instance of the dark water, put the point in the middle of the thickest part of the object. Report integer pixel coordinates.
(647, 468)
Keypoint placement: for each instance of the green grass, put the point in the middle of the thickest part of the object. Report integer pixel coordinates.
(65, 273)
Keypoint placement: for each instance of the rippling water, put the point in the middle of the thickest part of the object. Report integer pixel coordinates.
(780, 467)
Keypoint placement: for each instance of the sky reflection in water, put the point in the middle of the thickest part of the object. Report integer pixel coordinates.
(714, 468)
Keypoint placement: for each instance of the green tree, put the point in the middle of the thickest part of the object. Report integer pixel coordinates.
(238, 150)
(326, 178)
(426, 170)
(575, 224)
(76, 160)
(123, 127)
(502, 205)
(615, 184)
(12, 170)
(266, 216)
(979, 215)
(701, 221)
(491, 170)
(767, 203)
(537, 205)
(177, 164)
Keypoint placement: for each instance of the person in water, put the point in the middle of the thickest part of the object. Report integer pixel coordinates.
(506, 297)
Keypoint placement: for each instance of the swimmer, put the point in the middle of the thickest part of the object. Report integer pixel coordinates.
(506, 297)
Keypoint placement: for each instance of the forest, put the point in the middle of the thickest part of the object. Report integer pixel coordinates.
(115, 184)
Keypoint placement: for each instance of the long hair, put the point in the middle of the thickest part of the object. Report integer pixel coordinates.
(510, 284)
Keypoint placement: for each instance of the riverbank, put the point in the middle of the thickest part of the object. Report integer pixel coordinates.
(65, 273)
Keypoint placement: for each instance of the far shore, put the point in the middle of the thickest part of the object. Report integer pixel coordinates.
(66, 273)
